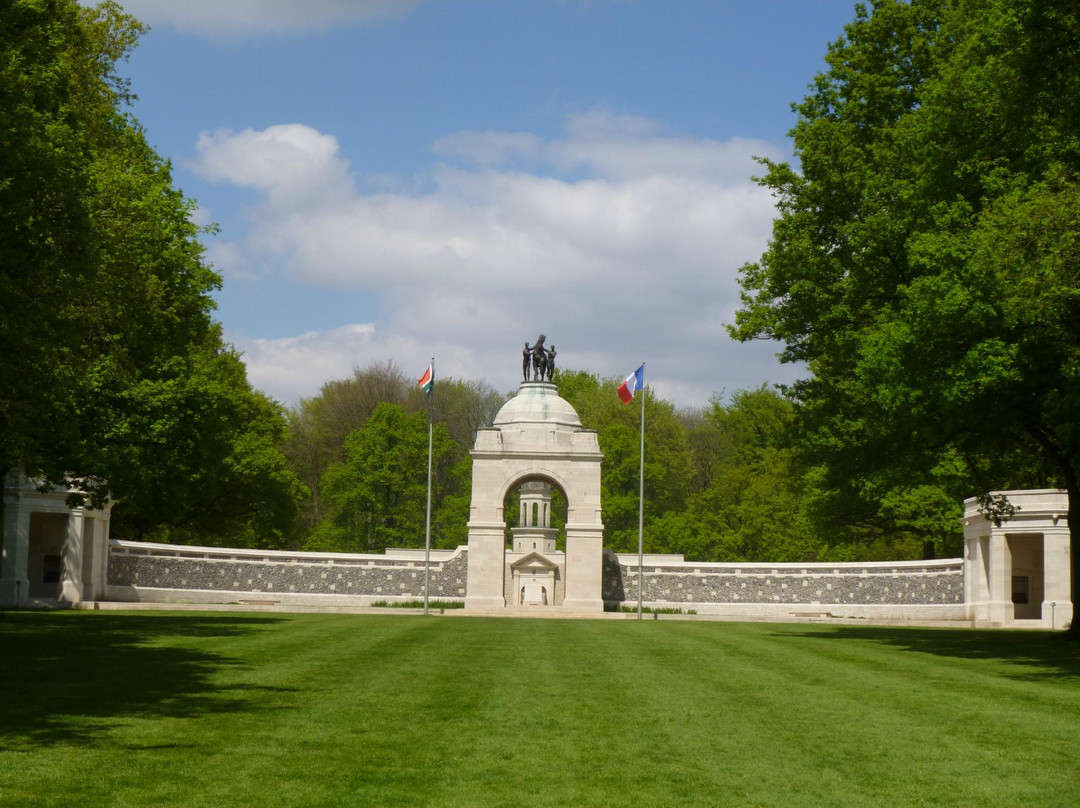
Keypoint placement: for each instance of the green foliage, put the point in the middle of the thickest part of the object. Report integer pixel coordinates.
(668, 466)
(377, 497)
(113, 374)
(630, 609)
(319, 426)
(419, 604)
(751, 501)
(924, 264)
(47, 250)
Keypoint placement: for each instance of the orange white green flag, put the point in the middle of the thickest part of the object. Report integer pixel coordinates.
(427, 381)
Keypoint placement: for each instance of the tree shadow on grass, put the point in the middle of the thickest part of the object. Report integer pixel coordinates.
(1037, 655)
(64, 676)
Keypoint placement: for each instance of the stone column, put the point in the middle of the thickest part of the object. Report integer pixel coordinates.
(976, 582)
(71, 580)
(1057, 607)
(98, 546)
(584, 568)
(1000, 605)
(487, 566)
(14, 583)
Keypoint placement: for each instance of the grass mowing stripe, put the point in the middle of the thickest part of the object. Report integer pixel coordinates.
(331, 710)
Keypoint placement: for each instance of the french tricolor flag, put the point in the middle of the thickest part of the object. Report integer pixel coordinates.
(631, 384)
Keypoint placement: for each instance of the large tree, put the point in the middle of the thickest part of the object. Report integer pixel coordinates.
(925, 264)
(376, 497)
(47, 248)
(113, 375)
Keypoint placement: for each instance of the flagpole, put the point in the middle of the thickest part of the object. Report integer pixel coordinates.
(427, 523)
(641, 500)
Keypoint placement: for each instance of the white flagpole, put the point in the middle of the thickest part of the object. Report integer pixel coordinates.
(427, 524)
(641, 499)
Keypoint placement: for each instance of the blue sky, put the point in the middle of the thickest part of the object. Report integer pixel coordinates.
(401, 179)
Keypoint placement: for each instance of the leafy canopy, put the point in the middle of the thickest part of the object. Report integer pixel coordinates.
(924, 264)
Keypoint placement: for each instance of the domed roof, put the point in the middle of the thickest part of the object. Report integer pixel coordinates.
(537, 403)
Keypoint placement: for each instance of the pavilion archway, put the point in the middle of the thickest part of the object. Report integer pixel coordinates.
(536, 436)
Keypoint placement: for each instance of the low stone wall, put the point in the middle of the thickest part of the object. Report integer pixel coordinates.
(900, 590)
(928, 590)
(162, 573)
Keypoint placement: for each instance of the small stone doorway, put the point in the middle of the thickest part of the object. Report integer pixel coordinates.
(536, 581)
(45, 567)
(1026, 552)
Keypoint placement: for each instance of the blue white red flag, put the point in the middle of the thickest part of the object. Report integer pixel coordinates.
(631, 384)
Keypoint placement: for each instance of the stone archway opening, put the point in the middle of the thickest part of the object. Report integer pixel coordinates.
(535, 550)
(536, 513)
(1017, 570)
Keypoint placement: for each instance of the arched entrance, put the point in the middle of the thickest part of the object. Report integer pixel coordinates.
(536, 436)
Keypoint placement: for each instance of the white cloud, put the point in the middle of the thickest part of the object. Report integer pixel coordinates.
(257, 17)
(626, 146)
(635, 260)
(296, 367)
(293, 164)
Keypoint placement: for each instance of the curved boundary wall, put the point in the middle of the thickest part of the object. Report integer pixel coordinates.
(905, 590)
(893, 590)
(167, 573)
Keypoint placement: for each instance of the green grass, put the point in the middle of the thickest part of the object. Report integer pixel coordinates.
(419, 604)
(632, 609)
(136, 709)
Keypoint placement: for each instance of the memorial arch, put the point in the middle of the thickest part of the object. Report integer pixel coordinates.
(536, 441)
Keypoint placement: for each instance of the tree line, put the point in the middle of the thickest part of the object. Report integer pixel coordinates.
(727, 482)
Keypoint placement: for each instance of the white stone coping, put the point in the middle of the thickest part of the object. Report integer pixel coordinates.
(18, 488)
(669, 561)
(1031, 504)
(142, 548)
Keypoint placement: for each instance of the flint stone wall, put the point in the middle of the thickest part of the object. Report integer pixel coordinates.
(926, 588)
(141, 571)
(156, 572)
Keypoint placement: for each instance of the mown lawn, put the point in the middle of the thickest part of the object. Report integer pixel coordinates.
(167, 709)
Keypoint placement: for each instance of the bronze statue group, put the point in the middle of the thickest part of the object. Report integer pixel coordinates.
(540, 359)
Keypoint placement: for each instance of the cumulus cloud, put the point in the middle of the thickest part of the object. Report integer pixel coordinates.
(620, 242)
(257, 17)
(293, 164)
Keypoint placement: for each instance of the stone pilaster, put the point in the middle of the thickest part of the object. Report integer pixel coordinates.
(14, 584)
